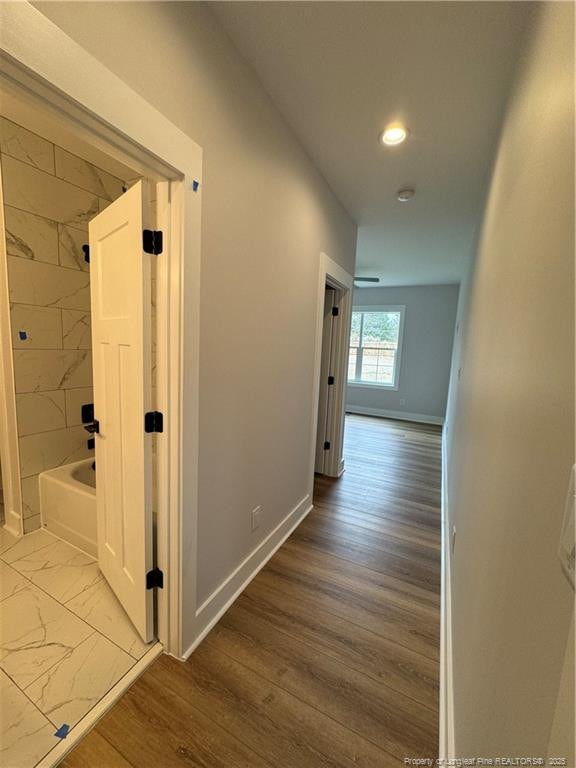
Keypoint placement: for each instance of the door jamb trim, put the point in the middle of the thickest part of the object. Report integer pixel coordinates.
(332, 274)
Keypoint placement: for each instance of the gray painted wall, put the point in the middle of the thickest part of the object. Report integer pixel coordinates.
(510, 424)
(267, 215)
(426, 352)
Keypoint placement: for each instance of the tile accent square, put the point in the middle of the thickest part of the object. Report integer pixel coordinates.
(75, 399)
(10, 581)
(45, 370)
(33, 523)
(26, 735)
(70, 242)
(30, 497)
(40, 412)
(24, 145)
(47, 285)
(40, 326)
(76, 329)
(37, 192)
(30, 236)
(7, 540)
(35, 633)
(46, 450)
(82, 173)
(60, 569)
(73, 686)
(24, 546)
(99, 607)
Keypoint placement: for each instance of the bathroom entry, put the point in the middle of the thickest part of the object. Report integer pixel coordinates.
(325, 400)
(332, 333)
(121, 298)
(96, 136)
(81, 263)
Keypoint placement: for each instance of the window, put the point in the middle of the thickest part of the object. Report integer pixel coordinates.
(375, 346)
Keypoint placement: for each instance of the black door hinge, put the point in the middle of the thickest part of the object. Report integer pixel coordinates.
(152, 241)
(87, 413)
(335, 311)
(86, 252)
(155, 578)
(330, 380)
(89, 423)
(153, 422)
(326, 446)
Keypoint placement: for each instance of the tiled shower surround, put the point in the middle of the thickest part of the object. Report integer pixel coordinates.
(50, 196)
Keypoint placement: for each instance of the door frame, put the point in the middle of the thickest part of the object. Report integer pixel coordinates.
(47, 67)
(333, 275)
(9, 449)
(325, 400)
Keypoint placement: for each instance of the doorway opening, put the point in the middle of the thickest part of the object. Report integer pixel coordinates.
(325, 437)
(85, 391)
(334, 307)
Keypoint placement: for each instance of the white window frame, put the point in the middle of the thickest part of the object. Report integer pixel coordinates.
(401, 308)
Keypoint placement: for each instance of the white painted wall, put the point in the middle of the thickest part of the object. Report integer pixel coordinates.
(426, 352)
(510, 421)
(267, 216)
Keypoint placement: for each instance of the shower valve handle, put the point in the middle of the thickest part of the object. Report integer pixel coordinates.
(93, 428)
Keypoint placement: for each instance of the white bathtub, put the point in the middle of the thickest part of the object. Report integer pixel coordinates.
(68, 504)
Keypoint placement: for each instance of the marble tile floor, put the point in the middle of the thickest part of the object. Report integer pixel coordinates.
(65, 641)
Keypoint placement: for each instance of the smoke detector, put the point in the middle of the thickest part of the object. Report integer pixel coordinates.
(405, 194)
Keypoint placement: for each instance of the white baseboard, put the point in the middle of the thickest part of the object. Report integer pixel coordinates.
(222, 598)
(447, 734)
(401, 415)
(66, 745)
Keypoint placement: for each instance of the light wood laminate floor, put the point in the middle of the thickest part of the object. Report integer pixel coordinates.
(330, 656)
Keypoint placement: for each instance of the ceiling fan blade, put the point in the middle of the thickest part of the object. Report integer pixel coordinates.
(366, 279)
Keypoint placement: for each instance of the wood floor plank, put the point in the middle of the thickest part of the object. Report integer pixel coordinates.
(382, 538)
(348, 532)
(407, 628)
(363, 553)
(94, 751)
(387, 506)
(271, 721)
(385, 661)
(394, 530)
(158, 727)
(377, 712)
(330, 657)
(297, 558)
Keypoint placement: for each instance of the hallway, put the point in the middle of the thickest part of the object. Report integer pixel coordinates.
(330, 656)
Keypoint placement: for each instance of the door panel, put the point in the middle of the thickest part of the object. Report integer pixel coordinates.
(325, 390)
(121, 346)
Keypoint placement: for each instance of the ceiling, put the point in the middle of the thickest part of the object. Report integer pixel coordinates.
(340, 71)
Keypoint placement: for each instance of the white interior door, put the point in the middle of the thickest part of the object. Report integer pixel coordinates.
(325, 372)
(121, 346)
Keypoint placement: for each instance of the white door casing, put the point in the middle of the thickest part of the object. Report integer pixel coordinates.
(121, 346)
(334, 276)
(325, 371)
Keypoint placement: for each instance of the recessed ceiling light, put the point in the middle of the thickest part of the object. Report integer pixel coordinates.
(393, 135)
(405, 194)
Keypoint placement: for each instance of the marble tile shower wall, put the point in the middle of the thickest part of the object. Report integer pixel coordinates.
(50, 196)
